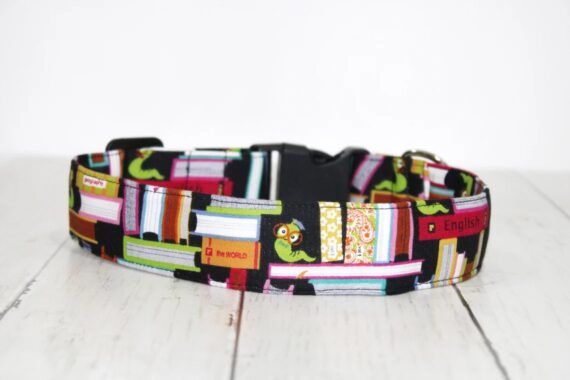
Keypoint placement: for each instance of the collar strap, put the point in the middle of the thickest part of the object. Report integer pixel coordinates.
(281, 218)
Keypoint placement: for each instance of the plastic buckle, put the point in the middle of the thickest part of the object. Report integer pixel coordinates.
(307, 175)
(134, 143)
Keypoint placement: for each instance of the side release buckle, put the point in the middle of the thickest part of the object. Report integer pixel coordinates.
(305, 175)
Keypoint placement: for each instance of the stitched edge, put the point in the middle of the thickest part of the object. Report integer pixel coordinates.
(400, 205)
(370, 156)
(258, 289)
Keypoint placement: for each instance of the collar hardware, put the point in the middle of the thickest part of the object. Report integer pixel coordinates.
(423, 154)
(311, 175)
(281, 218)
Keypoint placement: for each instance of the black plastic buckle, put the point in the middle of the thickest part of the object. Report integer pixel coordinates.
(311, 175)
(134, 143)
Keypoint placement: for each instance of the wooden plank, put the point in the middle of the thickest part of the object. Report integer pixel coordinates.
(554, 185)
(33, 199)
(84, 316)
(412, 335)
(521, 297)
(88, 318)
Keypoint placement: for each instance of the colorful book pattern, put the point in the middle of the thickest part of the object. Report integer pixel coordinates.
(225, 235)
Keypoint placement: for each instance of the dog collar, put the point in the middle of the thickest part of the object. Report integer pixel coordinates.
(281, 218)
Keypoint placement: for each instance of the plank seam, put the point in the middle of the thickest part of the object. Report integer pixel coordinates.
(28, 286)
(238, 331)
(486, 339)
(544, 195)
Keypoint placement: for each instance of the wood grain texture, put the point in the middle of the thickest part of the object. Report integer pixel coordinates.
(553, 185)
(65, 313)
(423, 334)
(87, 318)
(33, 220)
(521, 297)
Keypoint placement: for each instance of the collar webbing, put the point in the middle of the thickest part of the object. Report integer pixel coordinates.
(355, 223)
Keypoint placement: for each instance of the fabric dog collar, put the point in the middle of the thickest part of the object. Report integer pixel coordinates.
(281, 218)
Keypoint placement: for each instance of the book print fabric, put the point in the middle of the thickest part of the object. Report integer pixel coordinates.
(205, 216)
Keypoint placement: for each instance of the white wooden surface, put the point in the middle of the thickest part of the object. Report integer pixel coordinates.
(32, 220)
(64, 313)
(554, 186)
(522, 298)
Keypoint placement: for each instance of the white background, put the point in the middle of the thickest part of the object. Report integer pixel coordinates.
(482, 83)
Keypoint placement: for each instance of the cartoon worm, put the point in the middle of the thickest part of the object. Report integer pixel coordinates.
(431, 209)
(287, 237)
(468, 180)
(136, 170)
(399, 185)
